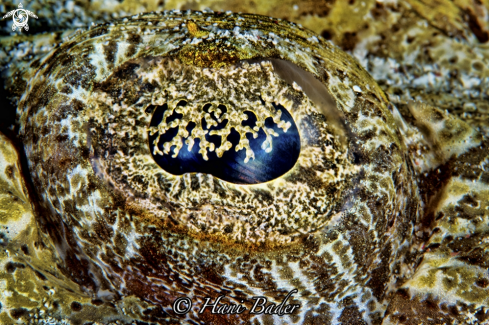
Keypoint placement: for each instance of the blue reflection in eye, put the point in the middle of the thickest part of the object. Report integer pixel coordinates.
(231, 167)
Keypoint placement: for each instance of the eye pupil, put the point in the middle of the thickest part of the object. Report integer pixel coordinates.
(272, 156)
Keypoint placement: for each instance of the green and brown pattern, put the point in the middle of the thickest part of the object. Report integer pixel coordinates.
(383, 219)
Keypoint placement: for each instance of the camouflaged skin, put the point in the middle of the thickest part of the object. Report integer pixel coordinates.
(119, 210)
(430, 197)
(434, 51)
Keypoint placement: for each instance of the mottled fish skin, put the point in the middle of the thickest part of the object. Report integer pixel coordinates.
(433, 51)
(197, 235)
(346, 226)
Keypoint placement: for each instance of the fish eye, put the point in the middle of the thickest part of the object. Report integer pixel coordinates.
(205, 130)
(193, 167)
(173, 146)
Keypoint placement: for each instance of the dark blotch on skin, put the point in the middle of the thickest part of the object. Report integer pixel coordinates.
(405, 310)
(351, 316)
(380, 275)
(482, 282)
(18, 313)
(25, 249)
(12, 266)
(97, 302)
(469, 200)
(359, 239)
(76, 306)
(349, 41)
(481, 315)
(9, 171)
(326, 34)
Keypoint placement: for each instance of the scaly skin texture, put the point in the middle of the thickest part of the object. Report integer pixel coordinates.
(382, 219)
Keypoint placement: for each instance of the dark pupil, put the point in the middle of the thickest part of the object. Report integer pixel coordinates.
(231, 167)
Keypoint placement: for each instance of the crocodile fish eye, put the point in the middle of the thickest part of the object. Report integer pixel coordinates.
(199, 154)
